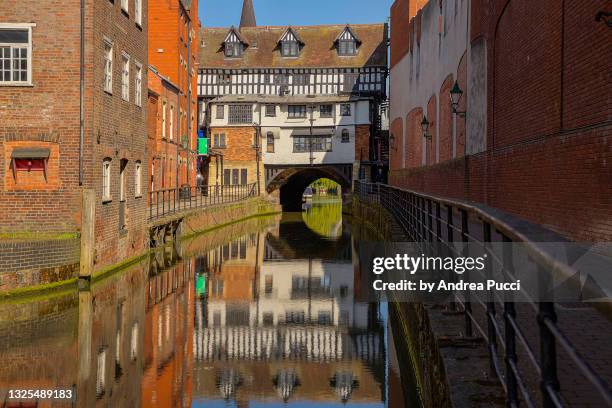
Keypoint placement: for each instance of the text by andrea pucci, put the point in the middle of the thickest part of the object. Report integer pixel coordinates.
(408, 265)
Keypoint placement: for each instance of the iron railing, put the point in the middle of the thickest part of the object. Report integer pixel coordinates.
(428, 219)
(172, 201)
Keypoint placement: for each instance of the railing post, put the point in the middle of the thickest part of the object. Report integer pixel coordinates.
(511, 359)
(491, 312)
(429, 221)
(450, 240)
(468, 305)
(548, 347)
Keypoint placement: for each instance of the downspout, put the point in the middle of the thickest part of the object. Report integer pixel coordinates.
(178, 72)
(189, 124)
(82, 95)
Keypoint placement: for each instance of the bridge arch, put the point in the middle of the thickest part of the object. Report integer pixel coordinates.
(291, 181)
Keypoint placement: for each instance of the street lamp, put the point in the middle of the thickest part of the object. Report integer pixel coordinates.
(425, 127)
(455, 94)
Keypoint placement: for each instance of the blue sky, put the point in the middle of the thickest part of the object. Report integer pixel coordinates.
(224, 13)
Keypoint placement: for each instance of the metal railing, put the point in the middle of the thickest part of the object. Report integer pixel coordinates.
(428, 219)
(172, 201)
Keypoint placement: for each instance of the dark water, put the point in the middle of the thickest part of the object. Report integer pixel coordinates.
(260, 314)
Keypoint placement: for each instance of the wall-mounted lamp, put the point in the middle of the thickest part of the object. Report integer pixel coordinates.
(455, 94)
(425, 127)
(605, 16)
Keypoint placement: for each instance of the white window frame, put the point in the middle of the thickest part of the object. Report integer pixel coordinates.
(138, 84)
(20, 26)
(164, 108)
(106, 180)
(138, 12)
(125, 6)
(125, 76)
(108, 66)
(171, 122)
(138, 179)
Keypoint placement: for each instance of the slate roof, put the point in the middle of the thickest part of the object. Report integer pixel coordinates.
(318, 51)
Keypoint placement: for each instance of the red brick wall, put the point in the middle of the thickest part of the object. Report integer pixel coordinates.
(401, 13)
(549, 129)
(445, 124)
(414, 138)
(396, 150)
(430, 143)
(362, 142)
(43, 115)
(459, 121)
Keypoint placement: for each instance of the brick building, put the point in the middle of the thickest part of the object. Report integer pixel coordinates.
(47, 157)
(162, 150)
(534, 139)
(174, 55)
(273, 98)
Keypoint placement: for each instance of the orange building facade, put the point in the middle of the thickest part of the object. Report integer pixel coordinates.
(174, 55)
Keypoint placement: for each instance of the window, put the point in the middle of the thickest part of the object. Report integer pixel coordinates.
(281, 79)
(233, 49)
(270, 142)
(271, 110)
(347, 47)
(15, 55)
(122, 168)
(297, 111)
(138, 87)
(220, 111)
(108, 67)
(345, 136)
(290, 48)
(326, 111)
(224, 79)
(240, 114)
(235, 176)
(138, 180)
(345, 109)
(244, 176)
(125, 5)
(219, 140)
(163, 120)
(125, 78)
(101, 373)
(268, 319)
(227, 180)
(350, 80)
(171, 122)
(303, 144)
(138, 11)
(106, 173)
(134, 342)
(301, 79)
(268, 284)
(267, 79)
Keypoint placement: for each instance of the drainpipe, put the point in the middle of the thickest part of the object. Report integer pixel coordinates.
(189, 124)
(82, 94)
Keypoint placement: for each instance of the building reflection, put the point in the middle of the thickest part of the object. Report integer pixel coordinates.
(272, 328)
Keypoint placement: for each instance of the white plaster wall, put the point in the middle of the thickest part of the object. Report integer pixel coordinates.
(420, 74)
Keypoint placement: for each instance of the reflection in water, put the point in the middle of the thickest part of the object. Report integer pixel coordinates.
(268, 318)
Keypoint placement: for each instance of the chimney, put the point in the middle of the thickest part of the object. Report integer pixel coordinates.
(248, 14)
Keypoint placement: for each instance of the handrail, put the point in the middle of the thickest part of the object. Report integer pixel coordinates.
(419, 215)
(171, 201)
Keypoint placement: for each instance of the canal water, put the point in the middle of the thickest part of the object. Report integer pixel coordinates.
(263, 313)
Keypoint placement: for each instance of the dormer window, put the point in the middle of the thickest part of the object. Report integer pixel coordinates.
(347, 42)
(233, 45)
(290, 43)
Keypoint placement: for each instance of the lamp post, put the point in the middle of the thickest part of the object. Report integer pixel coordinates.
(455, 95)
(425, 128)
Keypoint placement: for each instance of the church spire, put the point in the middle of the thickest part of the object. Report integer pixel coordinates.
(248, 14)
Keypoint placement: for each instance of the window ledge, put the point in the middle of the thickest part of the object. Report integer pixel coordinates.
(106, 91)
(17, 84)
(107, 200)
(138, 197)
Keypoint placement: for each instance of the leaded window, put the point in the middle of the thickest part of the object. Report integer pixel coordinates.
(301, 79)
(303, 144)
(326, 111)
(297, 111)
(240, 114)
